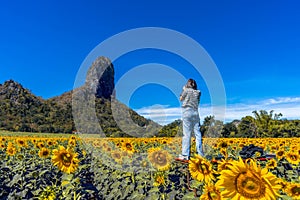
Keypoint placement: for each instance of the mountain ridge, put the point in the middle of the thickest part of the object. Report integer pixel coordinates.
(21, 110)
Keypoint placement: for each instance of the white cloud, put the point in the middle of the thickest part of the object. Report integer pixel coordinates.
(288, 106)
(162, 114)
(282, 100)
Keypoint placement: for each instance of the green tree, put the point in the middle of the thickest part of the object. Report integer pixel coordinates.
(265, 122)
(229, 129)
(211, 127)
(247, 127)
(171, 130)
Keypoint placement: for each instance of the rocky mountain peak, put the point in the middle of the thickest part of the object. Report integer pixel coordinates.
(12, 90)
(17, 95)
(100, 78)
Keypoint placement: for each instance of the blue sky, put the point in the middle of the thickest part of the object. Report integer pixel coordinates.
(254, 44)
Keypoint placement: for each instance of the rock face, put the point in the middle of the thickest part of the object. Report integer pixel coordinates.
(100, 78)
(16, 94)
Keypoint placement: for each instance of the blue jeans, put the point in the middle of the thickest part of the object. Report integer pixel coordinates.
(191, 122)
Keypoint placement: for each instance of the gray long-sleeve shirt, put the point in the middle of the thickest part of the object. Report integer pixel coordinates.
(190, 98)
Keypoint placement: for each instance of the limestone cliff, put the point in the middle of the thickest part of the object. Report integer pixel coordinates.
(100, 78)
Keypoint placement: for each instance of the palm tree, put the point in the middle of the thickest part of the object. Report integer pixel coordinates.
(265, 121)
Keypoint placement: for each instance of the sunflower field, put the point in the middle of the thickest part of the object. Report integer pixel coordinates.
(53, 166)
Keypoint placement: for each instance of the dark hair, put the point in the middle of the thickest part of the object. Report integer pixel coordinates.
(191, 83)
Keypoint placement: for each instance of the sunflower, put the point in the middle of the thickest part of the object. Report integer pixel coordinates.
(40, 145)
(145, 141)
(32, 152)
(33, 140)
(44, 152)
(234, 147)
(223, 152)
(10, 144)
(50, 142)
(201, 169)
(282, 183)
(292, 157)
(117, 156)
(72, 143)
(293, 190)
(164, 141)
(159, 158)
(21, 142)
(273, 148)
(2, 139)
(211, 192)
(104, 145)
(96, 143)
(73, 137)
(271, 164)
(248, 181)
(231, 142)
(222, 144)
(280, 153)
(2, 145)
(118, 144)
(48, 193)
(215, 145)
(20, 157)
(65, 159)
(159, 179)
(128, 146)
(223, 164)
(263, 145)
(293, 147)
(11, 150)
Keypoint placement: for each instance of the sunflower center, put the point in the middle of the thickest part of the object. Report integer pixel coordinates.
(160, 158)
(45, 153)
(294, 157)
(128, 146)
(250, 185)
(117, 155)
(203, 168)
(66, 159)
(272, 164)
(295, 191)
(224, 145)
(280, 153)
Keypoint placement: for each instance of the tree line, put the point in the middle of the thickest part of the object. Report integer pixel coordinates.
(261, 125)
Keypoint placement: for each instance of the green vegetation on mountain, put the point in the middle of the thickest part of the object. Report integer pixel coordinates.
(22, 111)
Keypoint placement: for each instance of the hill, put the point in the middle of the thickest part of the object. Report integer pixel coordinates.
(20, 110)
